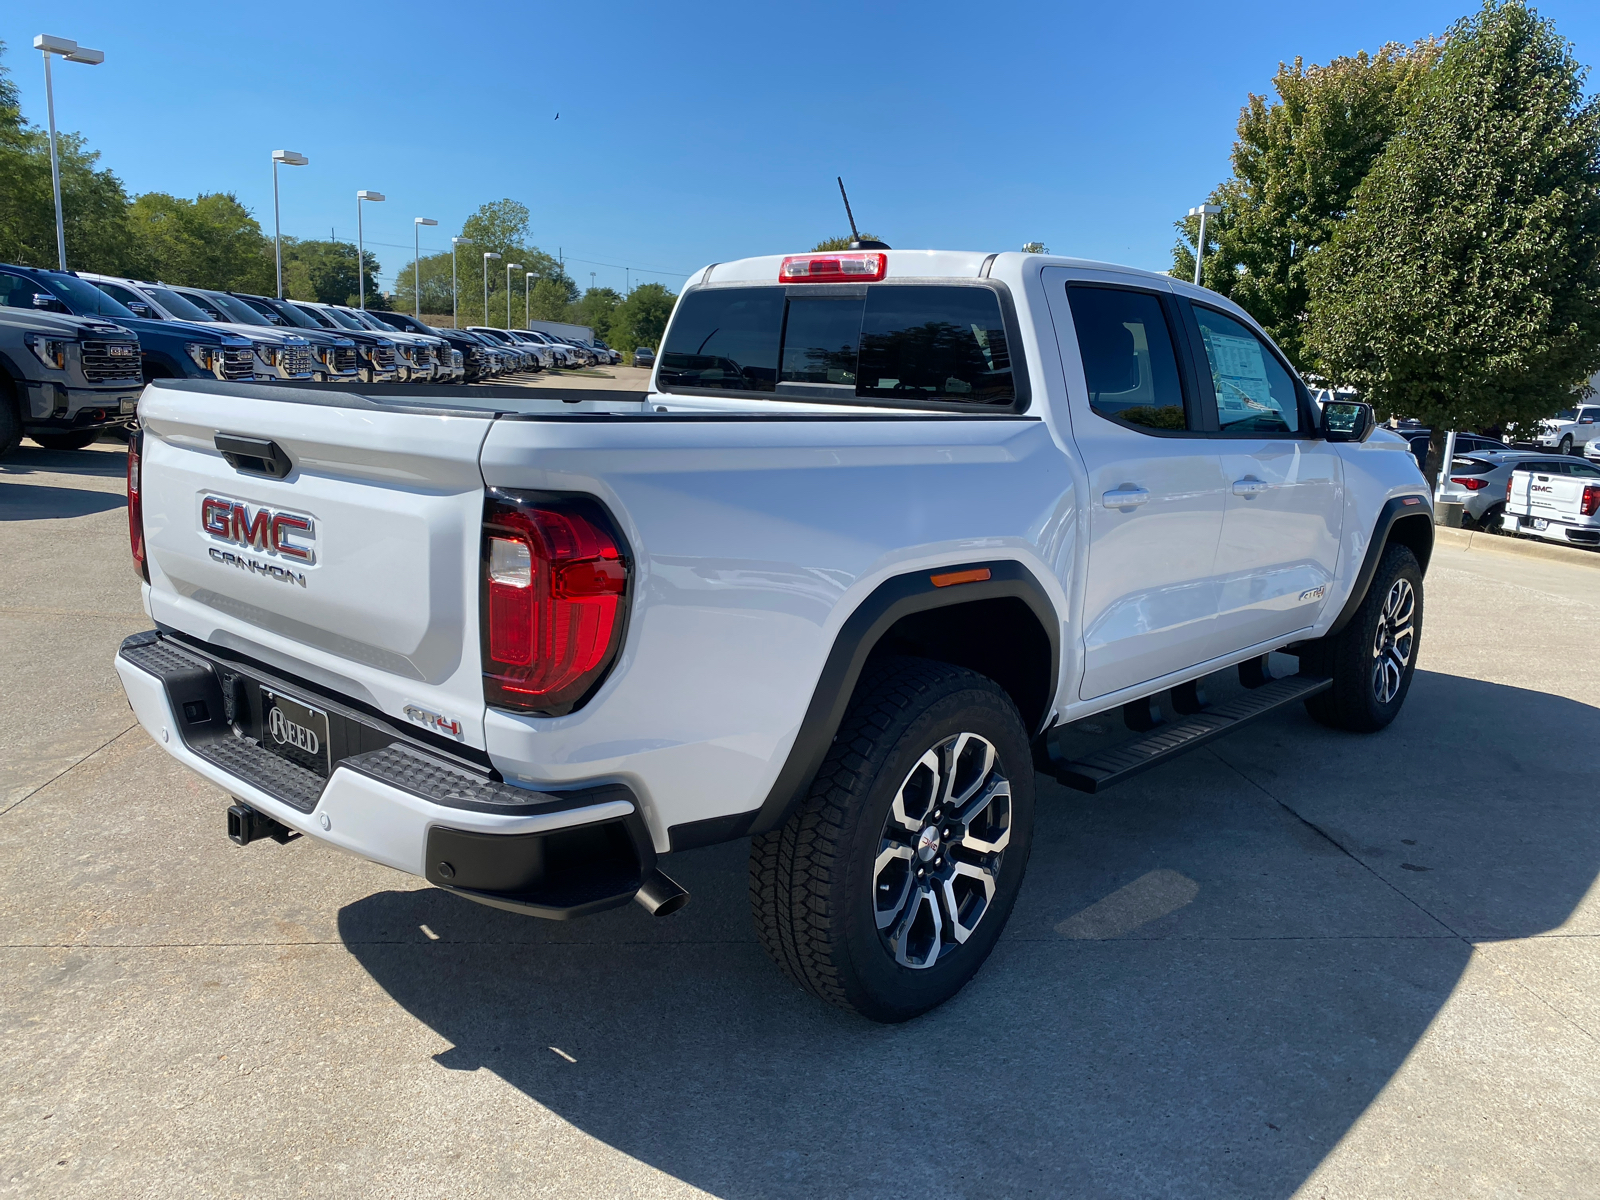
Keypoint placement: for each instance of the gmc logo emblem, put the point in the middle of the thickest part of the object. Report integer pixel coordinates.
(263, 530)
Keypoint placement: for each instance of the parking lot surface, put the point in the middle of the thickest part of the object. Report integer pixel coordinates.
(1296, 962)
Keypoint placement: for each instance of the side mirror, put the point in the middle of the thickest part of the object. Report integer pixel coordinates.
(1346, 421)
(44, 300)
(139, 308)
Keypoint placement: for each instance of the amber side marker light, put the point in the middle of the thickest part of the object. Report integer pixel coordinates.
(951, 578)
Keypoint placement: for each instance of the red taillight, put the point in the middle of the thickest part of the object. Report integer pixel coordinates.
(1508, 487)
(860, 267)
(1471, 482)
(554, 578)
(136, 505)
(1591, 500)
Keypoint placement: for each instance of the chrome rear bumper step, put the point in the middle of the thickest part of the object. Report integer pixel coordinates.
(1102, 770)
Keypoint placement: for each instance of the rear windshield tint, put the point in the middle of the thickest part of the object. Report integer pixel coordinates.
(906, 342)
(1470, 466)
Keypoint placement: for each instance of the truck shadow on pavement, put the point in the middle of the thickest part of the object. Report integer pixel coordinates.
(1210, 974)
(40, 501)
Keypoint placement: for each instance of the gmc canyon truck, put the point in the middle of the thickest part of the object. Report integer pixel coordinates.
(884, 524)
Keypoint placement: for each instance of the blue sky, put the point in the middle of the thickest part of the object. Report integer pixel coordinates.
(691, 133)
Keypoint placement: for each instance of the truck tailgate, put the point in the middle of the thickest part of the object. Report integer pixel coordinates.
(357, 570)
(1546, 494)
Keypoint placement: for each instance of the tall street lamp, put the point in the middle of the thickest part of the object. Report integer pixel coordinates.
(1202, 211)
(487, 255)
(72, 52)
(527, 322)
(510, 267)
(416, 260)
(361, 244)
(288, 158)
(455, 319)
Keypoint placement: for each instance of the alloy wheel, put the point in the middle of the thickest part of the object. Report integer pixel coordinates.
(938, 862)
(1394, 641)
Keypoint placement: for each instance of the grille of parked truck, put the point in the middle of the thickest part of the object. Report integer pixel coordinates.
(883, 525)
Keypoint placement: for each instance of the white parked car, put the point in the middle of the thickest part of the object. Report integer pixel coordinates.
(883, 521)
(1569, 428)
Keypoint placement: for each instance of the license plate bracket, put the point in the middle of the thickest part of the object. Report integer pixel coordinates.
(295, 731)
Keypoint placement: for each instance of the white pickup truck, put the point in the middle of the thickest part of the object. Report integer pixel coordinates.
(883, 521)
(1555, 500)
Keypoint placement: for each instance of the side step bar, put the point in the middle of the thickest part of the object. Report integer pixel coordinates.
(1100, 771)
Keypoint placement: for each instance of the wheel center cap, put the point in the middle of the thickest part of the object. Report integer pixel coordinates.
(928, 843)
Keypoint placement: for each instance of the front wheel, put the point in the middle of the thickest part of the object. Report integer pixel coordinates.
(1566, 444)
(887, 889)
(1373, 659)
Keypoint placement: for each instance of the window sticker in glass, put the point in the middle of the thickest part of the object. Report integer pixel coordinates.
(1128, 361)
(724, 338)
(1254, 392)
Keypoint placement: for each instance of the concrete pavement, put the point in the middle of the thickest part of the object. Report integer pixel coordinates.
(1297, 963)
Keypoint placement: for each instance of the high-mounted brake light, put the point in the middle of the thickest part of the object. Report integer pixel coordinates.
(864, 267)
(136, 505)
(1591, 500)
(554, 578)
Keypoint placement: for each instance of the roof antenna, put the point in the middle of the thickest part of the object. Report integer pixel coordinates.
(855, 237)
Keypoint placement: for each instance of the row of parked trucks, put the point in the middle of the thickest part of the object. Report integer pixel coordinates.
(77, 347)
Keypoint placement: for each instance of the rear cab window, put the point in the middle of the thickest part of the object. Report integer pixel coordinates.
(937, 345)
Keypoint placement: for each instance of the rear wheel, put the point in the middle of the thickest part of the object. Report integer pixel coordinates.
(1372, 660)
(10, 419)
(888, 888)
(78, 440)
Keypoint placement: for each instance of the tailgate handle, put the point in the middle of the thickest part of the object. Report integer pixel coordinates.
(254, 456)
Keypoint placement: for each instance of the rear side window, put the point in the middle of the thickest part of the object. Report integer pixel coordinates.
(1128, 361)
(897, 342)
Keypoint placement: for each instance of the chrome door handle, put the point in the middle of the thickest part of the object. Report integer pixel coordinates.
(1249, 487)
(1126, 496)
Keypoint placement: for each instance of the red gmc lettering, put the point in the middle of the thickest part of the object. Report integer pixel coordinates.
(251, 533)
(282, 525)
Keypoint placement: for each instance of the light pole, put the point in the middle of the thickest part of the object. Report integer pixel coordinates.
(1202, 211)
(487, 255)
(361, 244)
(289, 158)
(72, 52)
(455, 319)
(416, 260)
(527, 322)
(510, 267)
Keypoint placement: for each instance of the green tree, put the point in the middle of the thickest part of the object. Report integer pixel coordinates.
(93, 202)
(641, 319)
(503, 228)
(595, 309)
(840, 243)
(211, 241)
(1464, 288)
(326, 271)
(1296, 163)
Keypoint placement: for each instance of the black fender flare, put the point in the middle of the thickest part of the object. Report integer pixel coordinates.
(1418, 513)
(895, 598)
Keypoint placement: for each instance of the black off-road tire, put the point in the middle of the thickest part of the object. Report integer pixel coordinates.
(78, 440)
(1370, 681)
(10, 419)
(815, 882)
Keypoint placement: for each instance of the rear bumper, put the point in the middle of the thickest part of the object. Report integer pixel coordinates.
(1555, 530)
(549, 854)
